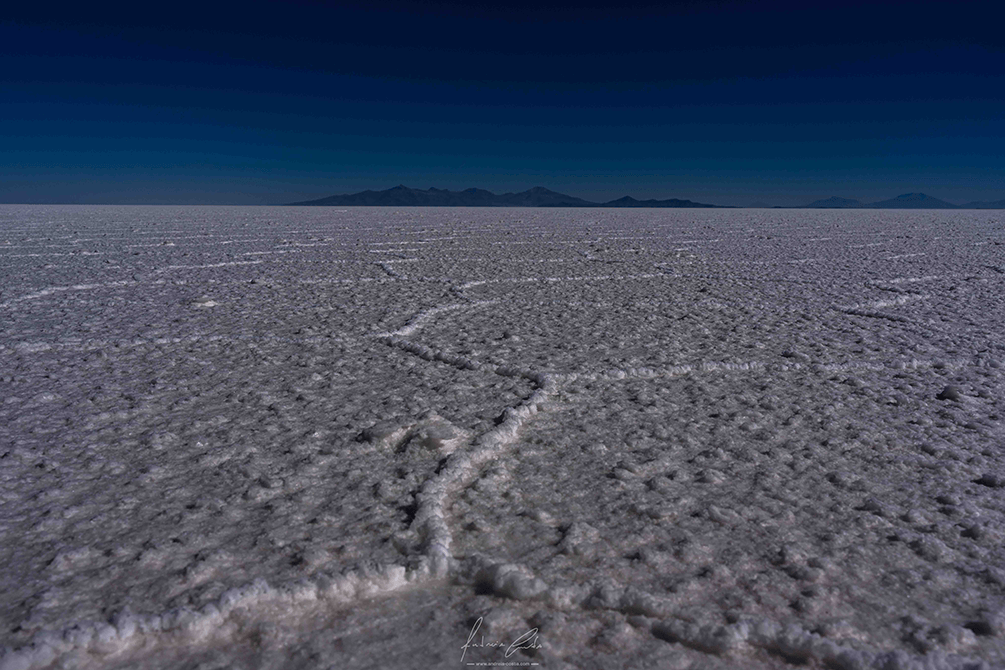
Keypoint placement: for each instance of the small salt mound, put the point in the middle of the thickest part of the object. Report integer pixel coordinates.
(386, 433)
(510, 581)
(438, 434)
(432, 432)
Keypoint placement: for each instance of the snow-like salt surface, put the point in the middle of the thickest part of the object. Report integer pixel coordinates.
(312, 438)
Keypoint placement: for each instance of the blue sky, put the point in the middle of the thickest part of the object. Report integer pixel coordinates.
(722, 102)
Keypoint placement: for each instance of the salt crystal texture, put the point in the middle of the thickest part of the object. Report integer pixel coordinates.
(647, 438)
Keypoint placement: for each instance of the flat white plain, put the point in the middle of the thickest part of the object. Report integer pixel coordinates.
(312, 438)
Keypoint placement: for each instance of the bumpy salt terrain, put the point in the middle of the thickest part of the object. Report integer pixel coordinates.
(375, 438)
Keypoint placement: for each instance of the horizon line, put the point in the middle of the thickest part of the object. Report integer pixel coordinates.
(572, 202)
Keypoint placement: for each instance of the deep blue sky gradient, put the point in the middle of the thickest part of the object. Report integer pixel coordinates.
(719, 102)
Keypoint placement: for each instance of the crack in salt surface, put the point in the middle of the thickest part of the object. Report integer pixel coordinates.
(420, 319)
(60, 289)
(587, 277)
(207, 266)
(52, 290)
(91, 344)
(881, 304)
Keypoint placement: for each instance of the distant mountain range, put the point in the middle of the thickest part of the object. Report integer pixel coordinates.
(835, 202)
(906, 201)
(403, 196)
(997, 204)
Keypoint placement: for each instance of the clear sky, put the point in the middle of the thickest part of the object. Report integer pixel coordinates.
(722, 102)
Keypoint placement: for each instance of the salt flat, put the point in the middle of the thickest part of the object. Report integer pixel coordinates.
(313, 438)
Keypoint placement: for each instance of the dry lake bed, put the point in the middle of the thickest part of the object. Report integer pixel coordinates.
(429, 438)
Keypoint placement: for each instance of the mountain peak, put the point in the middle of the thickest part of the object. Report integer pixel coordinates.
(537, 196)
(914, 201)
(834, 202)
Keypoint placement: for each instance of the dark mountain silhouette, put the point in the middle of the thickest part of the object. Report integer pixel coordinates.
(629, 201)
(906, 201)
(403, 196)
(998, 204)
(541, 197)
(835, 202)
(913, 201)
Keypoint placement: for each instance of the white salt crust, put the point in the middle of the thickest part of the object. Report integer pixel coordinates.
(432, 553)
